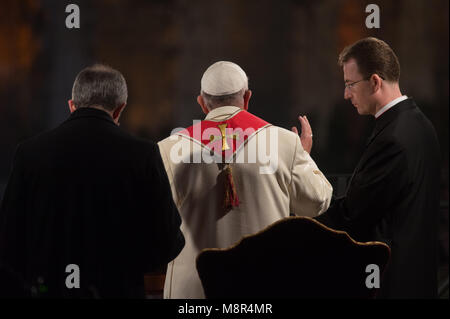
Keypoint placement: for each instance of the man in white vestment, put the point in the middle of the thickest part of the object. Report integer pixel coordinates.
(233, 174)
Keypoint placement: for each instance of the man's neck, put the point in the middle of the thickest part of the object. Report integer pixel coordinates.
(222, 112)
(98, 107)
(388, 97)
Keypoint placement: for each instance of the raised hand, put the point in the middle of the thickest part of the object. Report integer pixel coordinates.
(306, 135)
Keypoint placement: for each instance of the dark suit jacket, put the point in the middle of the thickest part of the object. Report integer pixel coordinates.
(393, 197)
(89, 194)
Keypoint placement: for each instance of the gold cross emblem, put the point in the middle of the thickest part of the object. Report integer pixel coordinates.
(224, 137)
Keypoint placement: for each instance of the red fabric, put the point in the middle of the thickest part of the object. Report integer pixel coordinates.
(237, 124)
(241, 126)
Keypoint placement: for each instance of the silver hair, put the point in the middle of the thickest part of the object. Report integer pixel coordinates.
(99, 85)
(215, 101)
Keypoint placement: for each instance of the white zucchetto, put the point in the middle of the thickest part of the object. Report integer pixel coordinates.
(223, 78)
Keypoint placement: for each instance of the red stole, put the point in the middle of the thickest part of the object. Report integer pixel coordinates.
(225, 138)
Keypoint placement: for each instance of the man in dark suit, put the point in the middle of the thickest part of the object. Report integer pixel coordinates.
(393, 195)
(88, 208)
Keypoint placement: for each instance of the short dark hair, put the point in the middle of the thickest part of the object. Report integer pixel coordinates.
(99, 85)
(373, 56)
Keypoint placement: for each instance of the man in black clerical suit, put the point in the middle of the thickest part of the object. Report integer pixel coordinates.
(393, 195)
(88, 208)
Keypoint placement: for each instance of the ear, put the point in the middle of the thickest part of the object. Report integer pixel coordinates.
(117, 112)
(247, 96)
(72, 106)
(202, 104)
(376, 82)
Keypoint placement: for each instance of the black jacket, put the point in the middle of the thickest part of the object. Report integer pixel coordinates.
(89, 194)
(393, 197)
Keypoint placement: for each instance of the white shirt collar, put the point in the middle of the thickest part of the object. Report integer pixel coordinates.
(390, 104)
(222, 113)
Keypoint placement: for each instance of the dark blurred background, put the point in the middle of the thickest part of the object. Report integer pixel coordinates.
(288, 49)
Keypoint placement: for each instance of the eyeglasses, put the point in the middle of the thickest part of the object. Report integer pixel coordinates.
(351, 84)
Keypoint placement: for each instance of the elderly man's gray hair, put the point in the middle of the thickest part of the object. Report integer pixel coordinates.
(213, 101)
(99, 85)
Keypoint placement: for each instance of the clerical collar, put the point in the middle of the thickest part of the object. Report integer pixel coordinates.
(222, 113)
(389, 105)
